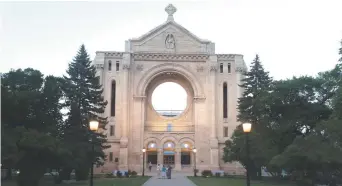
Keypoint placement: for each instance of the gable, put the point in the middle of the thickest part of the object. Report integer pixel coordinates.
(170, 37)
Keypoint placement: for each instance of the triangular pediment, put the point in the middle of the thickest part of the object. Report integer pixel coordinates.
(170, 37)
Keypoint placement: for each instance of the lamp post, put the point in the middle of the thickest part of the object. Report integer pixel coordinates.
(143, 151)
(93, 125)
(195, 169)
(247, 127)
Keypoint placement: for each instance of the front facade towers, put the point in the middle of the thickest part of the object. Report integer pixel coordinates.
(169, 53)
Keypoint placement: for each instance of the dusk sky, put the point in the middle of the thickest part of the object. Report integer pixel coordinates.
(292, 37)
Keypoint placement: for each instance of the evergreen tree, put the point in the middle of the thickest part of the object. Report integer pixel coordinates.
(82, 90)
(252, 108)
(256, 84)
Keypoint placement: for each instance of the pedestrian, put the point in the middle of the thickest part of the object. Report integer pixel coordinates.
(150, 166)
(158, 170)
(169, 172)
(163, 172)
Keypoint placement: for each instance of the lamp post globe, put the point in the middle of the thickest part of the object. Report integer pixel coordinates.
(247, 127)
(93, 126)
(143, 171)
(194, 150)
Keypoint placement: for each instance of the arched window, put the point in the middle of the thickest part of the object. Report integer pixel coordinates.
(109, 65)
(225, 101)
(117, 66)
(112, 104)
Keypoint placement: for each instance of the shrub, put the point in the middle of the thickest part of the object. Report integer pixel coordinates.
(195, 172)
(109, 175)
(207, 173)
(126, 174)
(134, 173)
(119, 174)
(217, 174)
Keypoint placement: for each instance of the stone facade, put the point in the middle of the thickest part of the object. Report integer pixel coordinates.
(169, 53)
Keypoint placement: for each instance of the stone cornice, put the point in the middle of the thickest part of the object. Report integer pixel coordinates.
(221, 57)
(113, 54)
(170, 57)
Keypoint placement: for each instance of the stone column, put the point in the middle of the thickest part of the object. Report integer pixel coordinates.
(160, 156)
(125, 113)
(178, 165)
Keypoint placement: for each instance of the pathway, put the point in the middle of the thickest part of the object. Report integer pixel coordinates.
(177, 179)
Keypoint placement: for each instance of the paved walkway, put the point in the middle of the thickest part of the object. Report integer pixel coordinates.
(177, 179)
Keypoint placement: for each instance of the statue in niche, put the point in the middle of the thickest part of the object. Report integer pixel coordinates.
(170, 41)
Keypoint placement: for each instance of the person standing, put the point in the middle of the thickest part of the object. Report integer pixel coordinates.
(163, 172)
(169, 172)
(158, 170)
(150, 166)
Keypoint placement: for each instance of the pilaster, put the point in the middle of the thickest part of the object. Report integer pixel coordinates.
(125, 110)
(178, 165)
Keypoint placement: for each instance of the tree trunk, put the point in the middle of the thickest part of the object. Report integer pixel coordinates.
(30, 176)
(65, 173)
(82, 173)
(8, 174)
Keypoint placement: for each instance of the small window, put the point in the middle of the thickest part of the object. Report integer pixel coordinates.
(116, 160)
(225, 131)
(112, 130)
(229, 68)
(169, 127)
(221, 67)
(110, 156)
(117, 66)
(109, 65)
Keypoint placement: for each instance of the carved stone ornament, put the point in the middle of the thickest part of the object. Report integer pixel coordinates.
(140, 67)
(170, 42)
(240, 69)
(99, 66)
(168, 57)
(213, 68)
(199, 98)
(126, 67)
(170, 10)
(200, 68)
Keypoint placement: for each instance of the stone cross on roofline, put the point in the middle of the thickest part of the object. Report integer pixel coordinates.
(170, 10)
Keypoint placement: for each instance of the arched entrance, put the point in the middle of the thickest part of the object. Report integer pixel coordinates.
(186, 154)
(152, 153)
(169, 153)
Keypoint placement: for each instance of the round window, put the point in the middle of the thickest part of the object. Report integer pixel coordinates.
(169, 99)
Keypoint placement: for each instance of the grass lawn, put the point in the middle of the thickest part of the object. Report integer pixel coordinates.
(138, 181)
(200, 181)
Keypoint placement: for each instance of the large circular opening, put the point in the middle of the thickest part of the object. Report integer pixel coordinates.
(169, 99)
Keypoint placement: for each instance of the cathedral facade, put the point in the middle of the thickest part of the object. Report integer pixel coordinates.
(169, 53)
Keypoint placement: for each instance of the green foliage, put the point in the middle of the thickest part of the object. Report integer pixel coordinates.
(83, 98)
(296, 125)
(119, 174)
(134, 173)
(207, 173)
(30, 139)
(252, 108)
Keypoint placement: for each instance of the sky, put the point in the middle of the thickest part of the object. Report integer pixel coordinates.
(292, 37)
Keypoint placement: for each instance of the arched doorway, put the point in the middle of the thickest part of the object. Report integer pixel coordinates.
(152, 153)
(169, 153)
(186, 151)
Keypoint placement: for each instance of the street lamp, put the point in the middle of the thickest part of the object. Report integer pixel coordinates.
(93, 125)
(247, 127)
(195, 171)
(143, 151)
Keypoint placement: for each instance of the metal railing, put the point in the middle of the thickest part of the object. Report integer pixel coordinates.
(171, 129)
(169, 113)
